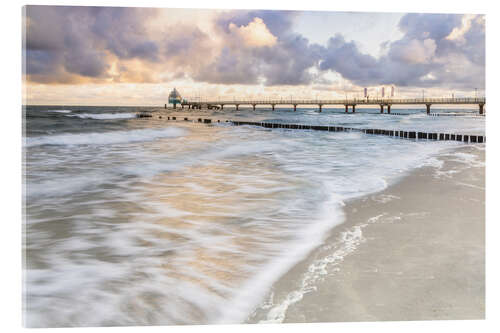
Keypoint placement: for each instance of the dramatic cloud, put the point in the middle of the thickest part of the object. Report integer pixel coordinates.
(108, 45)
(436, 50)
(285, 61)
(104, 44)
(255, 34)
(414, 51)
(68, 44)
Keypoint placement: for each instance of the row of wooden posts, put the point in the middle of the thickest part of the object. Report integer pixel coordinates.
(392, 133)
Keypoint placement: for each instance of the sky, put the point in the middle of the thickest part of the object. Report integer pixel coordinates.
(136, 56)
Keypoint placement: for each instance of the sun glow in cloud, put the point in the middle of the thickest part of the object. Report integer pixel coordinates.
(255, 34)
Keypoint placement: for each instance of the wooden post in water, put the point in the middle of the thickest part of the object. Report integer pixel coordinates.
(381, 108)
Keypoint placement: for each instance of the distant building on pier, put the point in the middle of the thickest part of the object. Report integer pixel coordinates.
(174, 98)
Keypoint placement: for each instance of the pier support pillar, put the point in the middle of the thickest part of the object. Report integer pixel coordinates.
(320, 107)
(272, 105)
(182, 106)
(222, 106)
(346, 108)
(253, 106)
(237, 107)
(388, 108)
(165, 106)
(428, 108)
(295, 107)
(175, 105)
(353, 108)
(381, 108)
(481, 108)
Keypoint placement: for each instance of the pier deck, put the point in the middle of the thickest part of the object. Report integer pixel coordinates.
(352, 103)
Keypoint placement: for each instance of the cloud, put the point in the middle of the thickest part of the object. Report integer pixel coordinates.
(104, 44)
(279, 22)
(255, 34)
(284, 59)
(107, 44)
(71, 44)
(230, 67)
(425, 56)
(414, 51)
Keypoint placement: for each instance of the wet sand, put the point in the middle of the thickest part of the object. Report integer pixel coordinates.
(412, 252)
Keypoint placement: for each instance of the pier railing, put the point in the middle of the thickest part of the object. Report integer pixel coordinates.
(386, 101)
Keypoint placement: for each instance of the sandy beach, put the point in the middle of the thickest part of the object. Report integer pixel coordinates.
(412, 252)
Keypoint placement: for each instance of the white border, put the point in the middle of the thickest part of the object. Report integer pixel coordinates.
(10, 310)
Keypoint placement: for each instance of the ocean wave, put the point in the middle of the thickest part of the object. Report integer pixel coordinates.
(104, 116)
(205, 244)
(113, 137)
(59, 111)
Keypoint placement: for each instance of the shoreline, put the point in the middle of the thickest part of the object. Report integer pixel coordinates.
(414, 251)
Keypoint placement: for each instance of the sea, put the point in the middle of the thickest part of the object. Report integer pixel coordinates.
(149, 221)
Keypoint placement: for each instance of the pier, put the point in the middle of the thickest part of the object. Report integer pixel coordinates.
(349, 104)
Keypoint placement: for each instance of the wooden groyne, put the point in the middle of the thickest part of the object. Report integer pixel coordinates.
(391, 133)
(416, 135)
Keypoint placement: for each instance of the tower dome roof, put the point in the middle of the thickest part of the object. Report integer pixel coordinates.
(174, 94)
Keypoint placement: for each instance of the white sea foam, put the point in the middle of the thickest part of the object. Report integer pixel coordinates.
(104, 116)
(59, 111)
(196, 229)
(307, 239)
(112, 137)
(348, 242)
